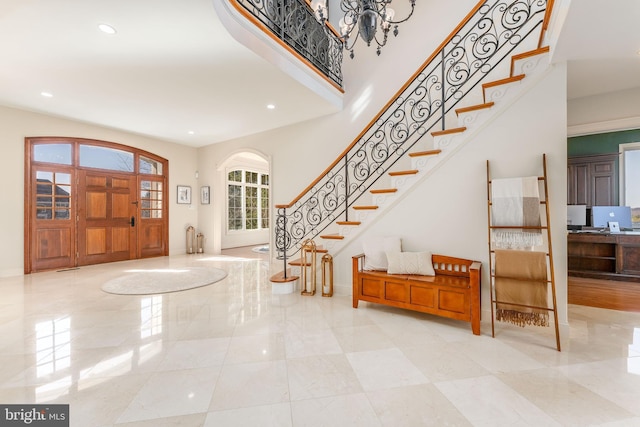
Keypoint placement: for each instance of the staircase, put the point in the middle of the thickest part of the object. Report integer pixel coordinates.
(395, 154)
(422, 163)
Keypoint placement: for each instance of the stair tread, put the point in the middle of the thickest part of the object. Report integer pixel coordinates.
(298, 263)
(320, 249)
(384, 190)
(279, 277)
(449, 131)
(407, 172)
(365, 207)
(425, 153)
(503, 81)
(474, 107)
(530, 53)
(332, 236)
(348, 222)
(527, 54)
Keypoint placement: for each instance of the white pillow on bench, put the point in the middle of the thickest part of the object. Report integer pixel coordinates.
(375, 251)
(410, 263)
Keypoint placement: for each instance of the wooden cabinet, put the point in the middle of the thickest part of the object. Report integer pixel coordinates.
(591, 253)
(628, 255)
(592, 180)
(578, 187)
(604, 256)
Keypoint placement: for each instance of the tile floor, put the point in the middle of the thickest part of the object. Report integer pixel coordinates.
(233, 354)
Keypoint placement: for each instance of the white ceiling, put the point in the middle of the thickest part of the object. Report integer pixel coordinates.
(600, 41)
(170, 69)
(173, 68)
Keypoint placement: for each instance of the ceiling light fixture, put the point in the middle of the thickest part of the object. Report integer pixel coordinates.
(46, 94)
(271, 106)
(107, 29)
(367, 16)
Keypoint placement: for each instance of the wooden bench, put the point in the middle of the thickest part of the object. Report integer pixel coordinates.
(454, 291)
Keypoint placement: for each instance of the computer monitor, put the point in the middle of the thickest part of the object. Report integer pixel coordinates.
(602, 215)
(576, 216)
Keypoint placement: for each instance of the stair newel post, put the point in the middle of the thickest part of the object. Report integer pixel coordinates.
(281, 227)
(284, 240)
(443, 71)
(346, 188)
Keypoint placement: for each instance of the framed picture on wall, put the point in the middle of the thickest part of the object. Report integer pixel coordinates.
(184, 195)
(205, 196)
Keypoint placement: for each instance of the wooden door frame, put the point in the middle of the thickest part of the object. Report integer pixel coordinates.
(29, 209)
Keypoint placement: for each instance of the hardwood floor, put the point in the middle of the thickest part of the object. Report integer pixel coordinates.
(612, 294)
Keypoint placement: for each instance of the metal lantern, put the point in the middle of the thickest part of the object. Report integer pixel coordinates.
(200, 243)
(308, 248)
(191, 239)
(327, 274)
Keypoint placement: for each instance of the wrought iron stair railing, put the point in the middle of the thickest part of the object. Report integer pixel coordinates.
(294, 22)
(488, 35)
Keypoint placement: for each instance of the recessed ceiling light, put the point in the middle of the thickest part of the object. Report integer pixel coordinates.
(191, 132)
(46, 94)
(271, 106)
(107, 29)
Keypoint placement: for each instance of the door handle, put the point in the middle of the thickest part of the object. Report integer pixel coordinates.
(133, 221)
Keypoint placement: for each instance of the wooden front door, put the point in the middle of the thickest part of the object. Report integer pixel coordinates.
(107, 217)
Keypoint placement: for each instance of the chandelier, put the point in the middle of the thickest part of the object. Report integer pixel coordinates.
(368, 16)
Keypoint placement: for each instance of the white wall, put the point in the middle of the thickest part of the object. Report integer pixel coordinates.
(15, 125)
(604, 113)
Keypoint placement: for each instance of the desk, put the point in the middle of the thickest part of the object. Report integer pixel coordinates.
(612, 256)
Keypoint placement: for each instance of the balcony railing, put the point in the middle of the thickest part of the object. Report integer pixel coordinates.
(294, 22)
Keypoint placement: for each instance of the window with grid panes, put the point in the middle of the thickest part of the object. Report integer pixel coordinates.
(247, 200)
(53, 195)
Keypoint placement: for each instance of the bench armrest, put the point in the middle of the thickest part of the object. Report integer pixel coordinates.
(357, 262)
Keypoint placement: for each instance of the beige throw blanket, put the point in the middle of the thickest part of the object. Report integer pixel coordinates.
(521, 278)
(515, 202)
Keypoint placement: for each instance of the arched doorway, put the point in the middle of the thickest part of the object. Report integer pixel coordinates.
(90, 202)
(247, 214)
